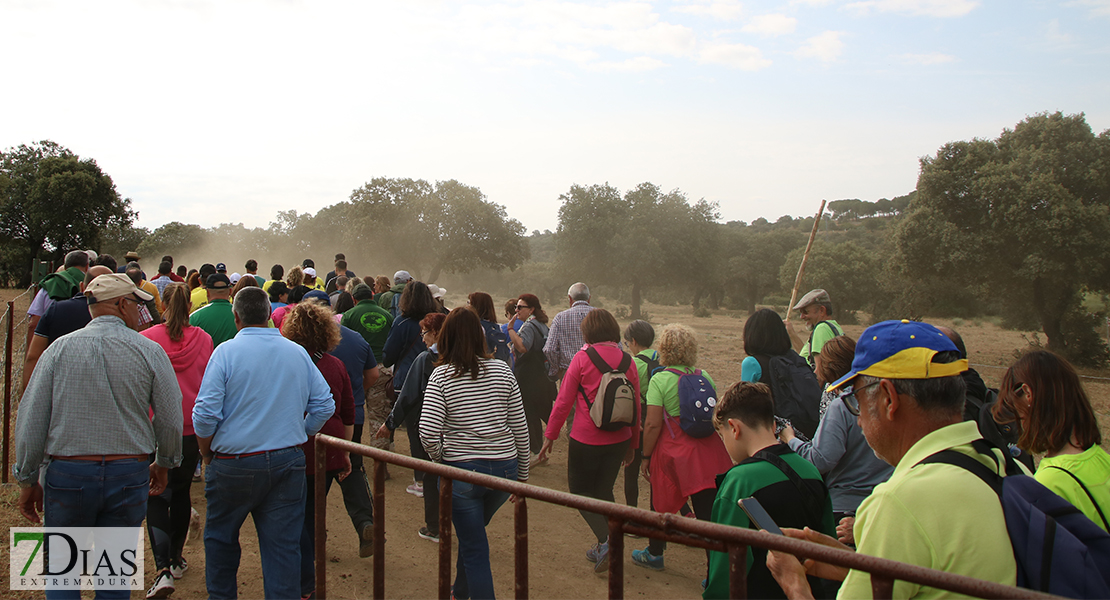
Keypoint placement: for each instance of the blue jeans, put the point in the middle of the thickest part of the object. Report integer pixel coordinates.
(271, 488)
(472, 508)
(82, 493)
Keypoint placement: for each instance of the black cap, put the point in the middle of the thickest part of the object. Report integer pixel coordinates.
(221, 268)
(217, 281)
(308, 263)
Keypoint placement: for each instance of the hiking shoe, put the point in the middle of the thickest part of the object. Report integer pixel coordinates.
(428, 534)
(178, 568)
(366, 540)
(163, 585)
(599, 555)
(645, 558)
(416, 488)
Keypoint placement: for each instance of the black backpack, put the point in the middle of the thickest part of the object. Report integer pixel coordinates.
(1057, 549)
(795, 390)
(652, 366)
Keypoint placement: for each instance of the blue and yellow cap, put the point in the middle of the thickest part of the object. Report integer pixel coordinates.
(901, 350)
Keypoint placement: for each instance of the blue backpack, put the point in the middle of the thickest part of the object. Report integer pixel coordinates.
(1057, 548)
(696, 399)
(497, 341)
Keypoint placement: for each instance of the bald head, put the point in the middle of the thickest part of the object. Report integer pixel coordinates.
(956, 339)
(93, 273)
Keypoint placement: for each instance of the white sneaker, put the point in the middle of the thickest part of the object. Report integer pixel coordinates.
(163, 586)
(178, 570)
(416, 488)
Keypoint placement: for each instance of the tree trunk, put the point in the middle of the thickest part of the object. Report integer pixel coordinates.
(636, 300)
(1050, 319)
(698, 293)
(435, 272)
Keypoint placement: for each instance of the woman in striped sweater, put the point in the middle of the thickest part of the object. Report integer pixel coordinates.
(473, 419)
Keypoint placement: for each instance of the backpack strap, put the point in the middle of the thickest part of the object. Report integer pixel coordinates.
(1088, 492)
(967, 463)
(811, 501)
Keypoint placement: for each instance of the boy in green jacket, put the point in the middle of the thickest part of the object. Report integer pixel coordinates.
(789, 487)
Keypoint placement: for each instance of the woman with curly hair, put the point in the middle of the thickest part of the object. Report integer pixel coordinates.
(310, 325)
(1056, 418)
(677, 465)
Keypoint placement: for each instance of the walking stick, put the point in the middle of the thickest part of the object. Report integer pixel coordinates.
(805, 257)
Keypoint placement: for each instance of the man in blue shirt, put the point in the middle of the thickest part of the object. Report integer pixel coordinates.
(250, 417)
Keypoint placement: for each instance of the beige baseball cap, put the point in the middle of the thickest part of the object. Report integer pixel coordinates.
(112, 286)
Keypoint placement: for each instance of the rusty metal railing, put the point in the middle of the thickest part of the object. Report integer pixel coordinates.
(622, 519)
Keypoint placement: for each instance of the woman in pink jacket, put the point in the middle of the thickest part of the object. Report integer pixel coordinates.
(167, 515)
(594, 456)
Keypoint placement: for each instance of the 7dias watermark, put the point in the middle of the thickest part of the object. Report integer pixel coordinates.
(70, 558)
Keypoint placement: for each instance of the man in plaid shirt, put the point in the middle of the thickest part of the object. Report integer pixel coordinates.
(564, 340)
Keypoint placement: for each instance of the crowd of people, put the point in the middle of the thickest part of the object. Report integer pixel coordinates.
(842, 442)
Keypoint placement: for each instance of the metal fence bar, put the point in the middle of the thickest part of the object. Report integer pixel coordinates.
(379, 525)
(659, 525)
(520, 524)
(444, 538)
(738, 571)
(882, 588)
(320, 494)
(616, 558)
(8, 389)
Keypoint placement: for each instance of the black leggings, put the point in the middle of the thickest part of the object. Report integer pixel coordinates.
(167, 514)
(702, 503)
(592, 472)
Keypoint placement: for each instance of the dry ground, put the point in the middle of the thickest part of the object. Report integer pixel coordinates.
(558, 536)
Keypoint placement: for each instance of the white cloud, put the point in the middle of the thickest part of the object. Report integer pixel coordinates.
(925, 8)
(773, 24)
(724, 10)
(810, 2)
(632, 65)
(738, 56)
(932, 58)
(1099, 8)
(1055, 35)
(825, 47)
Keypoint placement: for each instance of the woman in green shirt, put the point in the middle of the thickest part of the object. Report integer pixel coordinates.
(1056, 418)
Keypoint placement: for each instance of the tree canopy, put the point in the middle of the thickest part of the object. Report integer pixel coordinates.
(644, 239)
(53, 202)
(1022, 220)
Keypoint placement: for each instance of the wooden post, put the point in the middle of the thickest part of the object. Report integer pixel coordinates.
(805, 257)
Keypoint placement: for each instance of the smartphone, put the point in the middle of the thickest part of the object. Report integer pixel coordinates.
(758, 515)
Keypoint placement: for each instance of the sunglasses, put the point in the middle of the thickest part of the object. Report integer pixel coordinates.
(522, 306)
(851, 401)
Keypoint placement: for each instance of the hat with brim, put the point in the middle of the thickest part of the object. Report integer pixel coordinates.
(817, 296)
(362, 292)
(317, 296)
(111, 286)
(437, 292)
(901, 350)
(131, 256)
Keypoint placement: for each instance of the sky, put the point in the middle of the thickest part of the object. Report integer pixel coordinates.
(228, 111)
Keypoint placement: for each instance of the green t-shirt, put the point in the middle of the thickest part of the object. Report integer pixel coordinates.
(372, 322)
(642, 370)
(912, 518)
(1092, 467)
(217, 319)
(260, 279)
(821, 334)
(663, 389)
